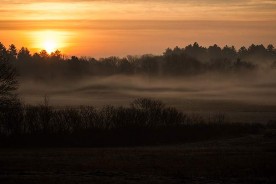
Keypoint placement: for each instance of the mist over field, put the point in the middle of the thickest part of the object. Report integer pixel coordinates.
(242, 97)
(195, 79)
(137, 91)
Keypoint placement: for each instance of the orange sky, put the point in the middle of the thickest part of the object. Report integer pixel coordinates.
(101, 28)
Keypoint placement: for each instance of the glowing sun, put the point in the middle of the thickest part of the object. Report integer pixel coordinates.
(50, 45)
(49, 40)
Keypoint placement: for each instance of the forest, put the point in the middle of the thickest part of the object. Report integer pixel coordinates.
(190, 60)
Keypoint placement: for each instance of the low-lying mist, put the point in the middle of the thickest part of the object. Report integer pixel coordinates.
(242, 97)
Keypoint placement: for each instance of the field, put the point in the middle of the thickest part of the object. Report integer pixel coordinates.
(238, 149)
(240, 98)
(244, 159)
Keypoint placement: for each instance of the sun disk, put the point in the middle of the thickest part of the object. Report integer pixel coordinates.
(50, 46)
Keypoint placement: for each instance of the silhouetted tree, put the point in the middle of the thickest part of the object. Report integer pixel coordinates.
(270, 48)
(243, 65)
(56, 56)
(229, 53)
(149, 64)
(257, 51)
(214, 52)
(74, 59)
(242, 52)
(44, 55)
(197, 52)
(3, 51)
(24, 55)
(8, 84)
(12, 53)
(125, 67)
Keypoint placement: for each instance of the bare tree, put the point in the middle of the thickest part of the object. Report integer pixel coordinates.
(8, 83)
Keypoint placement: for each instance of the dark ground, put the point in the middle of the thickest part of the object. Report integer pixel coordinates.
(246, 159)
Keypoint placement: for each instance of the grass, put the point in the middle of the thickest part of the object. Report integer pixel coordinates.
(246, 159)
(146, 142)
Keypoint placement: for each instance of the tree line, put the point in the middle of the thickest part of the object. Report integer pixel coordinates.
(192, 59)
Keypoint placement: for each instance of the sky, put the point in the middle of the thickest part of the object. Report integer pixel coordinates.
(102, 28)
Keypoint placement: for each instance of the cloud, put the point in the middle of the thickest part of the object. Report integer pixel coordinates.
(136, 25)
(138, 10)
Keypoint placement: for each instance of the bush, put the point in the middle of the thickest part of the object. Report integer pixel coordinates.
(146, 121)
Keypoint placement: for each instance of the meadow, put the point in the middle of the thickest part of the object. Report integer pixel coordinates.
(240, 97)
(241, 160)
(191, 115)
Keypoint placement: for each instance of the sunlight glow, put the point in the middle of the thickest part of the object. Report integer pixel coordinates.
(49, 40)
(50, 46)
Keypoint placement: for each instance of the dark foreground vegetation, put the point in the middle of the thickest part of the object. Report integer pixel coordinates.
(238, 160)
(144, 122)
